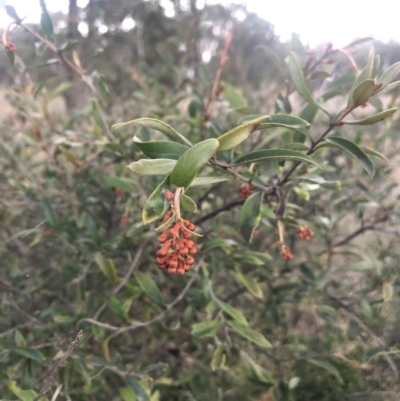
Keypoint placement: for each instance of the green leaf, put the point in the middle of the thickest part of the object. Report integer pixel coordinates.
(320, 75)
(120, 183)
(370, 64)
(30, 353)
(67, 46)
(239, 134)
(363, 92)
(107, 267)
(389, 75)
(188, 204)
(200, 181)
(192, 161)
(300, 84)
(161, 149)
(148, 285)
(320, 181)
(295, 146)
(157, 125)
(97, 117)
(140, 392)
(373, 119)
(206, 329)
(156, 205)
(127, 394)
(49, 213)
(251, 285)
(375, 153)
(387, 291)
(232, 312)
(46, 25)
(60, 89)
(117, 307)
(23, 395)
(273, 155)
(272, 57)
(251, 335)
(152, 167)
(235, 99)
(353, 150)
(257, 373)
(91, 226)
(250, 215)
(286, 121)
(328, 367)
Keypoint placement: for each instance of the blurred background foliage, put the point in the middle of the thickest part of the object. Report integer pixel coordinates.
(242, 324)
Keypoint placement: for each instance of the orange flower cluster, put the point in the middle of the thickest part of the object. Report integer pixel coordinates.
(245, 191)
(177, 248)
(285, 253)
(305, 233)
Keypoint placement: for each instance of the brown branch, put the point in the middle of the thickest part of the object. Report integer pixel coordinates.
(214, 89)
(60, 364)
(75, 67)
(219, 210)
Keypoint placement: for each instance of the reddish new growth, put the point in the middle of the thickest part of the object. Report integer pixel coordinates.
(305, 233)
(177, 248)
(245, 191)
(285, 252)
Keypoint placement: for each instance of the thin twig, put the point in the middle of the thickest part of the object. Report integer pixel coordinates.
(137, 325)
(60, 364)
(214, 89)
(122, 283)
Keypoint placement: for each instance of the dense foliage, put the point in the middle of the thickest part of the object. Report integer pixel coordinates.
(243, 246)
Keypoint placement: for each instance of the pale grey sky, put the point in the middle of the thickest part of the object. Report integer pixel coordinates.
(316, 21)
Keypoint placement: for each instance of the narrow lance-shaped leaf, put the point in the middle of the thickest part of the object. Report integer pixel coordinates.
(156, 125)
(156, 205)
(375, 153)
(389, 75)
(328, 367)
(121, 183)
(46, 25)
(353, 150)
(200, 181)
(188, 204)
(373, 119)
(251, 285)
(286, 121)
(363, 92)
(192, 161)
(269, 155)
(148, 285)
(206, 329)
(107, 267)
(239, 134)
(161, 149)
(152, 167)
(140, 392)
(250, 215)
(23, 395)
(250, 334)
(234, 98)
(300, 84)
(232, 312)
(49, 213)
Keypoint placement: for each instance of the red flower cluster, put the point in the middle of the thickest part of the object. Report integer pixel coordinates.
(245, 191)
(305, 233)
(177, 248)
(124, 219)
(285, 253)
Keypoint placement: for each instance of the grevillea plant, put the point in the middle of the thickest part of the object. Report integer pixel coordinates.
(226, 157)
